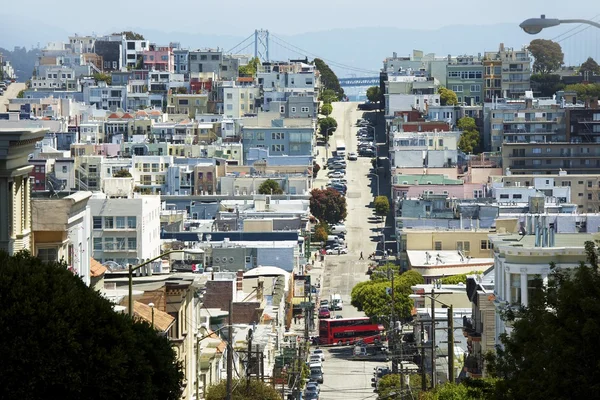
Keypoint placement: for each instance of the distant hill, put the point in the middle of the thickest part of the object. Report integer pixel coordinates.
(22, 60)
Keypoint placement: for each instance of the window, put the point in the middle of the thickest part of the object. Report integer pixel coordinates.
(515, 288)
(485, 245)
(504, 196)
(463, 246)
(589, 196)
(589, 184)
(441, 142)
(304, 109)
(98, 244)
(517, 196)
(457, 88)
(260, 136)
(475, 88)
(438, 246)
(131, 243)
(120, 222)
(109, 223)
(47, 255)
(109, 244)
(277, 135)
(229, 107)
(536, 150)
(277, 147)
(229, 96)
(214, 57)
(97, 222)
(281, 109)
(293, 109)
(131, 222)
(120, 243)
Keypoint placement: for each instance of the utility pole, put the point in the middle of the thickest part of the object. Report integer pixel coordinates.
(393, 330)
(451, 344)
(423, 377)
(259, 366)
(433, 353)
(230, 353)
(249, 361)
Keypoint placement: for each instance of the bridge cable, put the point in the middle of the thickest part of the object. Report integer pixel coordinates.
(335, 63)
(572, 29)
(240, 43)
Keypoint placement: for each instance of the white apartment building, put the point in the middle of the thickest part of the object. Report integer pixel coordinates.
(424, 149)
(105, 97)
(248, 185)
(238, 100)
(407, 102)
(125, 230)
(54, 77)
(131, 49)
(150, 172)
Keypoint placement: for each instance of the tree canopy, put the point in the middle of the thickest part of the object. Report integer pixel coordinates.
(548, 55)
(373, 299)
(382, 206)
(130, 35)
(328, 205)
(456, 279)
(328, 96)
(321, 232)
(328, 78)
(374, 94)
(122, 173)
(447, 97)
(468, 389)
(546, 84)
(590, 65)
(270, 186)
(250, 68)
(326, 109)
(469, 138)
(552, 351)
(61, 339)
(99, 77)
(585, 91)
(257, 389)
(327, 126)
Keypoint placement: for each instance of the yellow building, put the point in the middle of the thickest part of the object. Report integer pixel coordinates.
(189, 104)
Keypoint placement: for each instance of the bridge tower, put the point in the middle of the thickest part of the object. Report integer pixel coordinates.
(261, 44)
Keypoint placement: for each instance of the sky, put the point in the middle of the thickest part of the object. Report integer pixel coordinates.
(240, 18)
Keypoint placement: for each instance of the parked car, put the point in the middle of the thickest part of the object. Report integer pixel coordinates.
(316, 374)
(338, 180)
(339, 250)
(324, 303)
(319, 351)
(352, 156)
(314, 385)
(314, 358)
(338, 166)
(338, 228)
(367, 152)
(324, 312)
(336, 174)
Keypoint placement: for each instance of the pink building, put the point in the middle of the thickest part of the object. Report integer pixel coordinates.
(464, 191)
(159, 58)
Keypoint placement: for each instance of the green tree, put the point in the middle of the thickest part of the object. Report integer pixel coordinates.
(328, 96)
(130, 35)
(447, 97)
(316, 169)
(21, 94)
(250, 68)
(584, 91)
(546, 84)
(328, 78)
(328, 205)
(321, 232)
(552, 351)
(56, 331)
(270, 186)
(590, 65)
(326, 109)
(456, 279)
(327, 126)
(103, 78)
(389, 387)
(122, 173)
(469, 138)
(374, 94)
(382, 206)
(469, 389)
(548, 55)
(257, 389)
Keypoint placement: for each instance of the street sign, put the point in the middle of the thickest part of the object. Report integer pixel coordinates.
(306, 304)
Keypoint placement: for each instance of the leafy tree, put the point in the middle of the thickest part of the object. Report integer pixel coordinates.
(328, 205)
(389, 387)
(374, 94)
(469, 389)
(250, 68)
(122, 173)
(181, 90)
(103, 78)
(469, 138)
(584, 91)
(327, 125)
(321, 232)
(326, 109)
(547, 85)
(456, 279)
(590, 65)
(257, 390)
(130, 35)
(382, 206)
(316, 169)
(372, 296)
(270, 186)
(61, 339)
(548, 55)
(447, 97)
(552, 351)
(328, 78)
(21, 94)
(328, 96)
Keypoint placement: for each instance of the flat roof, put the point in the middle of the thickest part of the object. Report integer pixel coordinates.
(445, 258)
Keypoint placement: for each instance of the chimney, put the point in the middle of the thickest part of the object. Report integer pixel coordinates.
(239, 279)
(552, 231)
(501, 47)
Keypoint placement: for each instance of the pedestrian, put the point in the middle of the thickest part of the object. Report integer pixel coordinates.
(339, 251)
(361, 256)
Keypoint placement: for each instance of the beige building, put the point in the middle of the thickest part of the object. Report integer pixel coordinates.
(15, 187)
(188, 104)
(507, 72)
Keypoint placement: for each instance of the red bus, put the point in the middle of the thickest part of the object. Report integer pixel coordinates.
(349, 331)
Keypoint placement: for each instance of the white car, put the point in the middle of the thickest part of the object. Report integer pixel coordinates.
(339, 250)
(339, 228)
(352, 156)
(320, 353)
(336, 174)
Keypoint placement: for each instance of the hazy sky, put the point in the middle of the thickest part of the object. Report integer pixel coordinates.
(240, 18)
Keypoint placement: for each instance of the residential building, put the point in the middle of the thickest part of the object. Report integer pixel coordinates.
(238, 100)
(125, 230)
(507, 73)
(159, 58)
(55, 77)
(133, 51)
(465, 78)
(64, 233)
(424, 149)
(245, 185)
(105, 97)
(111, 53)
(291, 136)
(150, 173)
(38, 175)
(207, 60)
(188, 104)
(15, 187)
(181, 60)
(418, 63)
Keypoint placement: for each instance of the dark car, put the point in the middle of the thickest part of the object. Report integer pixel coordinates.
(324, 312)
(316, 375)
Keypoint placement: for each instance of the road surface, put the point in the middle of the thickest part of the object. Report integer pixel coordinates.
(11, 92)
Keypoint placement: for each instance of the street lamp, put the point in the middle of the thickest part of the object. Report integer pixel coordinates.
(151, 305)
(377, 176)
(534, 26)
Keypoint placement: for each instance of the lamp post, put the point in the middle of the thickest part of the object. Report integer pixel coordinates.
(533, 26)
(198, 340)
(132, 269)
(151, 305)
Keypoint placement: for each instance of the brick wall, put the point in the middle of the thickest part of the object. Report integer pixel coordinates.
(218, 294)
(246, 313)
